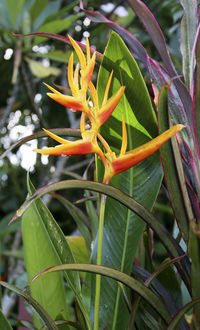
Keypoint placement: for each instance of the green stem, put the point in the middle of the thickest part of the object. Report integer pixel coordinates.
(99, 257)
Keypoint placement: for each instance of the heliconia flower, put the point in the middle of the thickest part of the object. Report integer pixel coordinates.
(79, 82)
(126, 160)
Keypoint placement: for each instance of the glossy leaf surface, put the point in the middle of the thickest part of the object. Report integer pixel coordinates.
(122, 230)
(61, 250)
(50, 292)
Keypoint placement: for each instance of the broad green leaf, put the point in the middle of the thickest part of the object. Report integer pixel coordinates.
(39, 254)
(62, 252)
(188, 34)
(123, 229)
(41, 71)
(45, 317)
(5, 325)
(173, 170)
(14, 9)
(129, 281)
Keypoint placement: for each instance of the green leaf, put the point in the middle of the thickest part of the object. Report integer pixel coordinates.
(14, 9)
(56, 26)
(62, 252)
(41, 71)
(48, 321)
(5, 325)
(39, 254)
(173, 169)
(188, 34)
(129, 281)
(122, 229)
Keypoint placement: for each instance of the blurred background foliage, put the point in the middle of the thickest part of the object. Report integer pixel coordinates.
(27, 62)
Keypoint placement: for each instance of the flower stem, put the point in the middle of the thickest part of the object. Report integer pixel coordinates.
(99, 257)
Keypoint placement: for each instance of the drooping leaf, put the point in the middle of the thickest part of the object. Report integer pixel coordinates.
(45, 317)
(167, 240)
(129, 281)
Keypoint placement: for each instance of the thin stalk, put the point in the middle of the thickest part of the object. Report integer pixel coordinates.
(99, 259)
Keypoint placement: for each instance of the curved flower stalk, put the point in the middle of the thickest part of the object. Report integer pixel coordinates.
(79, 83)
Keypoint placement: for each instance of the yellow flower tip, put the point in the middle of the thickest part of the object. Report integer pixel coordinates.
(124, 138)
(107, 89)
(40, 151)
(78, 52)
(55, 137)
(52, 89)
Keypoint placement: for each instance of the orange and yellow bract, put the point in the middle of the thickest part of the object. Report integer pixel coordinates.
(80, 82)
